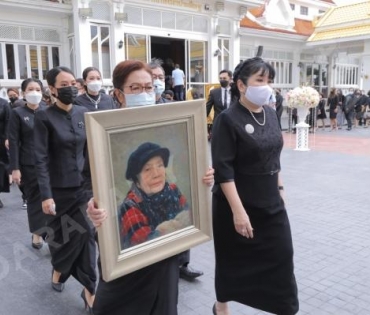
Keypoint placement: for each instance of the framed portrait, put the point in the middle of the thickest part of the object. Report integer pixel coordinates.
(147, 165)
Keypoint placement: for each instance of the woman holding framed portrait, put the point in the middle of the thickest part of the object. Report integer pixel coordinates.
(152, 207)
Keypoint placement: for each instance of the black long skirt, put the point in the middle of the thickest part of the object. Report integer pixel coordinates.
(257, 272)
(71, 238)
(36, 217)
(152, 290)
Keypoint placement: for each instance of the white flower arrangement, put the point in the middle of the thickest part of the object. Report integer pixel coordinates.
(304, 96)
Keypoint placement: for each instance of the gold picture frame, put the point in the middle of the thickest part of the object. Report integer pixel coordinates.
(112, 137)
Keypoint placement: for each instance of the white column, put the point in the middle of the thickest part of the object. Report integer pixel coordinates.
(213, 46)
(82, 41)
(366, 67)
(235, 44)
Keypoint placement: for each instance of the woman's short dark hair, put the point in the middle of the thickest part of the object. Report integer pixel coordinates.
(125, 68)
(51, 76)
(28, 81)
(229, 73)
(86, 72)
(246, 69)
(81, 81)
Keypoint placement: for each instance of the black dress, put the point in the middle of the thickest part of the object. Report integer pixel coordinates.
(60, 142)
(21, 150)
(333, 103)
(321, 114)
(4, 158)
(257, 272)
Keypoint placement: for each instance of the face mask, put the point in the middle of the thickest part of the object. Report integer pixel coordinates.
(224, 83)
(142, 99)
(94, 86)
(258, 95)
(67, 94)
(13, 99)
(158, 87)
(33, 97)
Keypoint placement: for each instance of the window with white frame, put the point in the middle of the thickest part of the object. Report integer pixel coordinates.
(304, 10)
(21, 61)
(100, 48)
(346, 74)
(223, 53)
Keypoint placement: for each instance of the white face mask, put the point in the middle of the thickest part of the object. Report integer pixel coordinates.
(142, 99)
(33, 97)
(94, 86)
(158, 86)
(258, 95)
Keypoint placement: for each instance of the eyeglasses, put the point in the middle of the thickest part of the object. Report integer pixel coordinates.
(159, 77)
(137, 88)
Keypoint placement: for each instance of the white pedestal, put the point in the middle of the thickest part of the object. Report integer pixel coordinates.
(302, 136)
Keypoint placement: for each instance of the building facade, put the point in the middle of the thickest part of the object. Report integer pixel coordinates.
(202, 36)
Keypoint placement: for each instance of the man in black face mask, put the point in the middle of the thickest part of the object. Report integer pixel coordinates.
(220, 98)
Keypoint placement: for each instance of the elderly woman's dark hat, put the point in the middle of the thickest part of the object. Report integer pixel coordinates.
(142, 155)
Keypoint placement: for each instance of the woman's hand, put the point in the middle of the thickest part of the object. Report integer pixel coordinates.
(16, 177)
(209, 178)
(96, 216)
(242, 224)
(48, 206)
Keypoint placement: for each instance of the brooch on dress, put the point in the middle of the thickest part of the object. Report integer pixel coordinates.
(249, 128)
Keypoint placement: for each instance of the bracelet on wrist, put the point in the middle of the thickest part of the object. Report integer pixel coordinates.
(281, 187)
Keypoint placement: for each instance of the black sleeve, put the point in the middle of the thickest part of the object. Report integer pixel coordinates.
(7, 110)
(209, 103)
(86, 174)
(14, 139)
(41, 143)
(223, 148)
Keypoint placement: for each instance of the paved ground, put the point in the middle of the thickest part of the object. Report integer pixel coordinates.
(328, 200)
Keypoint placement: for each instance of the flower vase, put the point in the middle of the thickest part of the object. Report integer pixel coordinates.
(302, 114)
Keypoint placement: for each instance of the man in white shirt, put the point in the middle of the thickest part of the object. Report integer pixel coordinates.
(178, 78)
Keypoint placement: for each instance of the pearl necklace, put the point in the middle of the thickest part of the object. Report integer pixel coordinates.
(96, 103)
(255, 119)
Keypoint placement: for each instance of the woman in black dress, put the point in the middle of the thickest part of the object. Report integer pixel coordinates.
(93, 99)
(60, 141)
(252, 237)
(321, 114)
(22, 160)
(4, 158)
(333, 110)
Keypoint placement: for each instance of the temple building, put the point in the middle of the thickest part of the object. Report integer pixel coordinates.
(312, 42)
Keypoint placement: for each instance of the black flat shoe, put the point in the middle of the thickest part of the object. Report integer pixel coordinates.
(37, 245)
(189, 274)
(87, 306)
(214, 309)
(59, 287)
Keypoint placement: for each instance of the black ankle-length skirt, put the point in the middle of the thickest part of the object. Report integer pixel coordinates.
(257, 272)
(152, 290)
(36, 217)
(71, 238)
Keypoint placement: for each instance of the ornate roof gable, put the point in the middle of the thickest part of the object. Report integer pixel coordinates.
(277, 14)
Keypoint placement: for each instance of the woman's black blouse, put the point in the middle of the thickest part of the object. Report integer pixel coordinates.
(106, 102)
(60, 140)
(21, 147)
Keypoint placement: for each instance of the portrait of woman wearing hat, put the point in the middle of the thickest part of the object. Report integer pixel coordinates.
(153, 207)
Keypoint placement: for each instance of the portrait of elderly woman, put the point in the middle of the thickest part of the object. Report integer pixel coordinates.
(153, 207)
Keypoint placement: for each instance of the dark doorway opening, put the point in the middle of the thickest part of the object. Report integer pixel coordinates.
(170, 51)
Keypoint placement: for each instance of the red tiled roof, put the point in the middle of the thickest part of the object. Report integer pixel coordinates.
(302, 27)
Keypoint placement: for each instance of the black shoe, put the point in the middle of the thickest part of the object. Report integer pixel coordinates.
(1, 204)
(59, 287)
(188, 273)
(37, 245)
(87, 306)
(214, 309)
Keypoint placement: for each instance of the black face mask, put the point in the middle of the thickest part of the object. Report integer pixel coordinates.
(224, 83)
(67, 94)
(13, 99)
